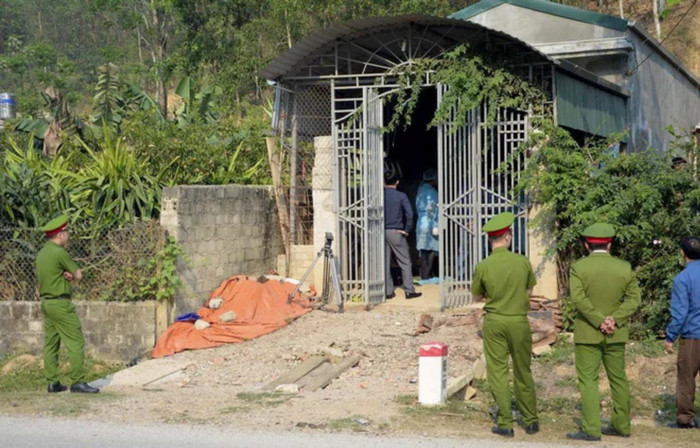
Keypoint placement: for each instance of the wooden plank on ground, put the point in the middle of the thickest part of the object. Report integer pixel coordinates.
(297, 372)
(304, 382)
(333, 372)
(460, 383)
(469, 393)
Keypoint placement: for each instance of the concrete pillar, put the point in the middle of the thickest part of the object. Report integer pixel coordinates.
(325, 218)
(541, 239)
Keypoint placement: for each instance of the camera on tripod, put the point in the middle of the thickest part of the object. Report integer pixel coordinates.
(329, 241)
(331, 277)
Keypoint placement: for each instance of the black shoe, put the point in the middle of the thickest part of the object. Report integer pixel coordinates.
(390, 296)
(610, 431)
(56, 387)
(83, 388)
(532, 428)
(413, 295)
(582, 436)
(693, 424)
(502, 431)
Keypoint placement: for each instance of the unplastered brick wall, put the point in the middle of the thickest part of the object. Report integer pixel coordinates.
(223, 230)
(117, 332)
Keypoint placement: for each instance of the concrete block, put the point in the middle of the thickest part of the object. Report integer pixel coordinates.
(220, 231)
(25, 310)
(172, 192)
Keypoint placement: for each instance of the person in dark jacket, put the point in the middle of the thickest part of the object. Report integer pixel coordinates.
(685, 325)
(398, 223)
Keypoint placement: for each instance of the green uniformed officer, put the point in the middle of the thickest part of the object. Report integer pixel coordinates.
(505, 280)
(604, 291)
(55, 270)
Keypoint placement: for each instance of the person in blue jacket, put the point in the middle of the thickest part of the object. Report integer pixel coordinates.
(427, 225)
(685, 325)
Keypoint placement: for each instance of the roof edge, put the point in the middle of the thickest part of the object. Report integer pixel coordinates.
(557, 9)
(656, 45)
(317, 39)
(592, 78)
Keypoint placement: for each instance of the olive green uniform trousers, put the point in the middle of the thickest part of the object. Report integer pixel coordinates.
(61, 323)
(504, 336)
(588, 359)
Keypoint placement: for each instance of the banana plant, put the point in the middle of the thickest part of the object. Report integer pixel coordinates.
(195, 105)
(60, 122)
(135, 97)
(108, 102)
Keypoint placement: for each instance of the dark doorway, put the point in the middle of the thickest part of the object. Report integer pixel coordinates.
(413, 149)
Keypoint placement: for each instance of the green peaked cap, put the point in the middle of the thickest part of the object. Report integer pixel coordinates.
(54, 223)
(499, 222)
(599, 230)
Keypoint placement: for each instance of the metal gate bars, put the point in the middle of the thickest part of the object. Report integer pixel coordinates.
(473, 187)
(358, 180)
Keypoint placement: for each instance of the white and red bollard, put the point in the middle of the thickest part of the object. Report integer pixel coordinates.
(432, 373)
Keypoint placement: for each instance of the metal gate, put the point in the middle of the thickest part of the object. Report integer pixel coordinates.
(472, 189)
(358, 120)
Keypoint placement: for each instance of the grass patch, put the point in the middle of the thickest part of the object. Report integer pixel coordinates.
(234, 409)
(649, 348)
(407, 400)
(562, 351)
(567, 381)
(481, 385)
(354, 423)
(558, 405)
(64, 404)
(32, 378)
(452, 407)
(265, 398)
(24, 389)
(664, 406)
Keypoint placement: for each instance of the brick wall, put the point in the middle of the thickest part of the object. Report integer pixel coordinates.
(117, 332)
(224, 230)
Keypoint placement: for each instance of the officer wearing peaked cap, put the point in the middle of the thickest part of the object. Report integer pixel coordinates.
(505, 280)
(55, 271)
(604, 291)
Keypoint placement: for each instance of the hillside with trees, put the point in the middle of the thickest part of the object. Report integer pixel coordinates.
(118, 98)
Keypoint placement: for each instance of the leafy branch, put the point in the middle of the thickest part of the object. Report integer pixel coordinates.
(472, 79)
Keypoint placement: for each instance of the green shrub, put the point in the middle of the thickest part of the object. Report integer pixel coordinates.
(229, 151)
(651, 204)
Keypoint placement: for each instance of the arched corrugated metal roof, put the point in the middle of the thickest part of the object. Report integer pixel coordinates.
(318, 42)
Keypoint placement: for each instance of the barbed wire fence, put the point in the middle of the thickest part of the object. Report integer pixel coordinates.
(117, 265)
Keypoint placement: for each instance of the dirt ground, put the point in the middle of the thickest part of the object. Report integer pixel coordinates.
(388, 369)
(222, 386)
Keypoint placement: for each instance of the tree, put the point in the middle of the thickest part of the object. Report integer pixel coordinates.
(651, 203)
(152, 24)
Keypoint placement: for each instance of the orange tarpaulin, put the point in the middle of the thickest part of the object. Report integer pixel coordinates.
(260, 309)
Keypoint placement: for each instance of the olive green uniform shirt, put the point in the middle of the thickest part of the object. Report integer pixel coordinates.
(504, 278)
(602, 285)
(51, 262)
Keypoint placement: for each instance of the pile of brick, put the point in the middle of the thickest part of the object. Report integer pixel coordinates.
(545, 319)
(546, 323)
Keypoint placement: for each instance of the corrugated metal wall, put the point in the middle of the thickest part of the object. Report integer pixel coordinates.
(586, 107)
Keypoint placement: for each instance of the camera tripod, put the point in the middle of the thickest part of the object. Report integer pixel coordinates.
(331, 278)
